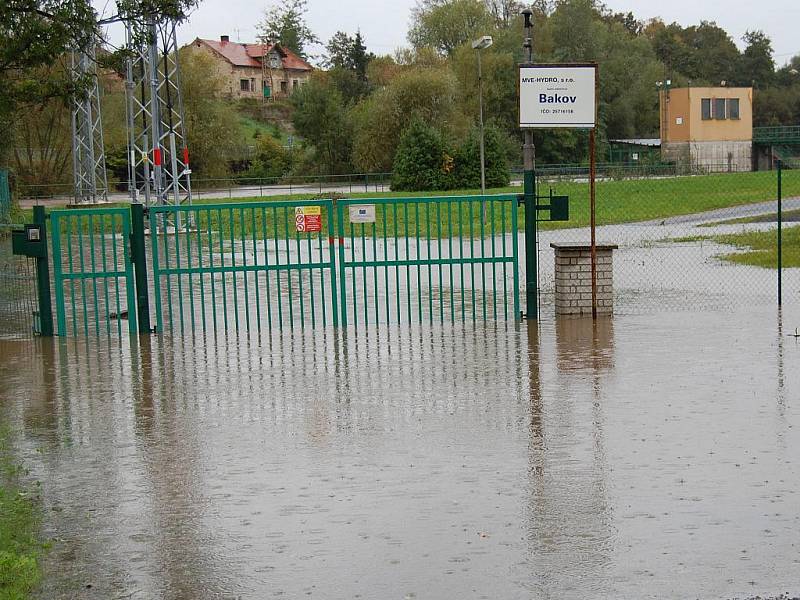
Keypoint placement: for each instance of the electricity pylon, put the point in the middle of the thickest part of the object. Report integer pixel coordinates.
(88, 151)
(158, 154)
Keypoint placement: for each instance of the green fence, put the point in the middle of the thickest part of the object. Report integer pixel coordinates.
(242, 266)
(93, 271)
(5, 197)
(427, 260)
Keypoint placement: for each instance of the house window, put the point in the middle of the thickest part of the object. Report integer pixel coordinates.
(295, 84)
(719, 108)
(733, 108)
(244, 85)
(284, 86)
(705, 109)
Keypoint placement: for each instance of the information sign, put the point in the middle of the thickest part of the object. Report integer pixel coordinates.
(362, 213)
(557, 96)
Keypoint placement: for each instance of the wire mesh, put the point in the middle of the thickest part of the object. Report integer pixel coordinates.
(18, 306)
(701, 240)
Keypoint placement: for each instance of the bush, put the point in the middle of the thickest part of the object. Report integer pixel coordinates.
(422, 162)
(468, 160)
(271, 160)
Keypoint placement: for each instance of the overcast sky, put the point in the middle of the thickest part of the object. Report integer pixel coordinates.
(384, 23)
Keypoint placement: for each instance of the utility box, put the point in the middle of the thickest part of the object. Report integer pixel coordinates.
(29, 242)
(559, 208)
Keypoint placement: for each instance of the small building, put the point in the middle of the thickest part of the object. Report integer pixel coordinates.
(255, 70)
(710, 127)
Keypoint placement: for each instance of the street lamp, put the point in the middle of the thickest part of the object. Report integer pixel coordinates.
(482, 43)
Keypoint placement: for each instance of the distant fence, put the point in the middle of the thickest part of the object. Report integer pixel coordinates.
(234, 187)
(687, 239)
(351, 183)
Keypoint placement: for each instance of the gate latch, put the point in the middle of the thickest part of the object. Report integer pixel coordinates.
(29, 241)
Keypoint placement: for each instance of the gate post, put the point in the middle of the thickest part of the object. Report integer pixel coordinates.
(43, 277)
(529, 191)
(139, 259)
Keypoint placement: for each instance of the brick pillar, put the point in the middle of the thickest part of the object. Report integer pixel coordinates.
(574, 279)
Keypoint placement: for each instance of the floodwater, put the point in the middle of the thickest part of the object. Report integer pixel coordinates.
(648, 456)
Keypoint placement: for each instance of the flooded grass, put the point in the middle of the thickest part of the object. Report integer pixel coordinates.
(761, 248)
(20, 547)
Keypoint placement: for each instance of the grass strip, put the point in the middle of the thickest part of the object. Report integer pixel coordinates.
(20, 546)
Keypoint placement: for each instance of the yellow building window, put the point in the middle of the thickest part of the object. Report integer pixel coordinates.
(705, 109)
(733, 108)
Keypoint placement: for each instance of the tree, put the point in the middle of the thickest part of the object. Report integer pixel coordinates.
(36, 33)
(757, 66)
(212, 124)
(285, 23)
(348, 60)
(416, 93)
(422, 162)
(320, 117)
(271, 159)
(446, 26)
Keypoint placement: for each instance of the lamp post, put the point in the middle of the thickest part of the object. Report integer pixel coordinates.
(481, 44)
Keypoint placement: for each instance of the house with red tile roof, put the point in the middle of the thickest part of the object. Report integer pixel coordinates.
(255, 70)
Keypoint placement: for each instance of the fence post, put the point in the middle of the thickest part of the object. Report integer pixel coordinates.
(43, 277)
(139, 259)
(780, 227)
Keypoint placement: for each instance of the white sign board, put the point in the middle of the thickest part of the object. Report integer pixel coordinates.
(362, 213)
(557, 96)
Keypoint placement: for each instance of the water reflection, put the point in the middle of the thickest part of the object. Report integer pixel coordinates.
(568, 520)
(487, 461)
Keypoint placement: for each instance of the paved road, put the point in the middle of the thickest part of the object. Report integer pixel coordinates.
(227, 193)
(730, 212)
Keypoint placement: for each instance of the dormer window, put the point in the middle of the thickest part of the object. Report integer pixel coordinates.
(275, 60)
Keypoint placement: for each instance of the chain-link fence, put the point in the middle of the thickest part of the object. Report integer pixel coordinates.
(686, 240)
(18, 304)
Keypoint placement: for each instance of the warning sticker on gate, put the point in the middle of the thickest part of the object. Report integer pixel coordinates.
(308, 219)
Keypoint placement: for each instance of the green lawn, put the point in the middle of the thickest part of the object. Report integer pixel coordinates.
(20, 547)
(618, 201)
(762, 247)
(632, 200)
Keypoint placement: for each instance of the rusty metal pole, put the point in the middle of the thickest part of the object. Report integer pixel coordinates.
(529, 192)
(592, 168)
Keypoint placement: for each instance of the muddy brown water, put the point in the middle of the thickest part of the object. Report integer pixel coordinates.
(648, 456)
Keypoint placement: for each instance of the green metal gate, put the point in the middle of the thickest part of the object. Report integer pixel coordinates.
(243, 266)
(428, 259)
(249, 266)
(92, 271)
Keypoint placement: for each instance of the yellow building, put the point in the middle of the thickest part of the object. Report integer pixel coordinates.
(711, 127)
(255, 70)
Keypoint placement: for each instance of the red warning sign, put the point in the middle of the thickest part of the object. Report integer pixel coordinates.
(308, 219)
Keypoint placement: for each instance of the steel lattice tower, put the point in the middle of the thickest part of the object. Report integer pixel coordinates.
(88, 150)
(158, 168)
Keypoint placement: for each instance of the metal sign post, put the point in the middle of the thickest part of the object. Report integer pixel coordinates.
(553, 96)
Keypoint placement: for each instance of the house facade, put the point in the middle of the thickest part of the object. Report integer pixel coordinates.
(712, 127)
(254, 70)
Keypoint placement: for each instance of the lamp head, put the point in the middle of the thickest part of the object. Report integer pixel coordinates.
(482, 42)
(527, 14)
